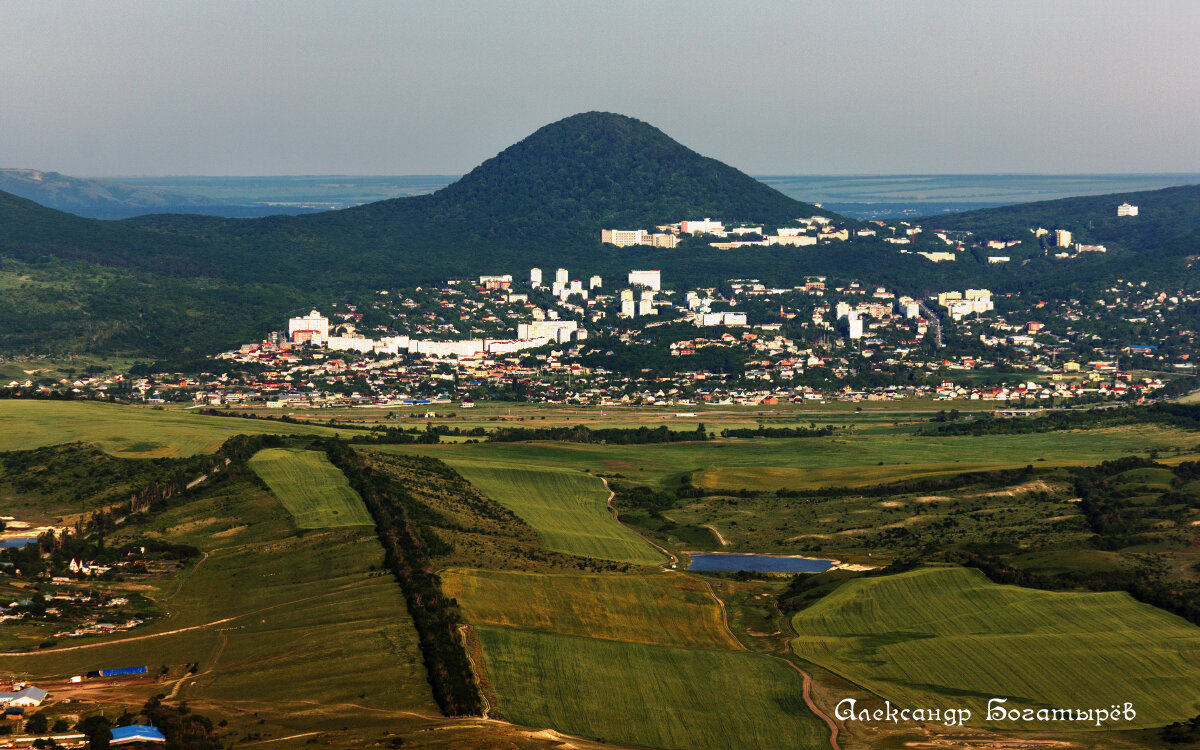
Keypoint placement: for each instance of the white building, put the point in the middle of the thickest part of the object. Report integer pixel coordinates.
(856, 326)
(646, 303)
(312, 327)
(650, 279)
(556, 330)
(624, 237)
(628, 306)
(595, 282)
(1062, 238)
(1126, 209)
(535, 277)
(561, 277)
(721, 319)
(700, 227)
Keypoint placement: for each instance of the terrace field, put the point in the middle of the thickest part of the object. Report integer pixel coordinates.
(653, 696)
(948, 635)
(663, 609)
(566, 508)
(313, 490)
(127, 431)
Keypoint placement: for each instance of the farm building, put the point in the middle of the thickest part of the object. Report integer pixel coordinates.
(134, 734)
(30, 696)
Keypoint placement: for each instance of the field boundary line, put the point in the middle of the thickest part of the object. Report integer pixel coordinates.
(617, 517)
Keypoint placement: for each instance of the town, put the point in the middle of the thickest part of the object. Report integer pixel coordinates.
(557, 336)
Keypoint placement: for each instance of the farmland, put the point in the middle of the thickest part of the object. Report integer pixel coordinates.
(808, 463)
(654, 696)
(127, 431)
(259, 614)
(948, 634)
(663, 609)
(313, 490)
(566, 508)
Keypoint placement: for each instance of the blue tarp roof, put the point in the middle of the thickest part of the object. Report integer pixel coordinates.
(138, 732)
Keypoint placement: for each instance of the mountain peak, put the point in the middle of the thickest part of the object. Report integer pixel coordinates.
(598, 169)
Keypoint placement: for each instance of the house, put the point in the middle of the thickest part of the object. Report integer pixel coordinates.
(135, 733)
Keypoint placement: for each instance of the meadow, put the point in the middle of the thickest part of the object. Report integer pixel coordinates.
(566, 508)
(665, 609)
(313, 490)
(935, 636)
(127, 431)
(654, 696)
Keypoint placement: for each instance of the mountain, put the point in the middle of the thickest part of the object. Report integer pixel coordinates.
(99, 199)
(183, 285)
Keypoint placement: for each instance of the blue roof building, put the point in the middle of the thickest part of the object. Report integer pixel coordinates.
(136, 733)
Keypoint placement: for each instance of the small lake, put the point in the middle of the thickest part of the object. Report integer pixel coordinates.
(758, 563)
(17, 541)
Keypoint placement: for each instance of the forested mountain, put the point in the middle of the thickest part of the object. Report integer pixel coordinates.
(172, 285)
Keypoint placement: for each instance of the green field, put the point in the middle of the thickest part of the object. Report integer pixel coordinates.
(313, 490)
(566, 508)
(643, 695)
(807, 463)
(943, 636)
(127, 431)
(663, 609)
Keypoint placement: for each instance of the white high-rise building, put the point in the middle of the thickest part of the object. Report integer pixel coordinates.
(314, 327)
(562, 277)
(595, 282)
(650, 279)
(628, 306)
(856, 326)
(646, 303)
(535, 277)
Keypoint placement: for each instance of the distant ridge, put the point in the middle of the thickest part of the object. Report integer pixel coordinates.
(98, 199)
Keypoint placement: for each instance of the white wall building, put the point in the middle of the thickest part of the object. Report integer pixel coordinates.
(1126, 209)
(535, 277)
(650, 279)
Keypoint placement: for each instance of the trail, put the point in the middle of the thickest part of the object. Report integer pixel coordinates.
(463, 631)
(716, 532)
(175, 690)
(617, 518)
(724, 615)
(808, 701)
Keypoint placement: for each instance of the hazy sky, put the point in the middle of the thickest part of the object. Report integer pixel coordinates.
(114, 87)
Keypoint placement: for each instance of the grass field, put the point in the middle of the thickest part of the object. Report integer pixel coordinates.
(655, 696)
(566, 508)
(808, 463)
(313, 490)
(948, 635)
(662, 609)
(127, 431)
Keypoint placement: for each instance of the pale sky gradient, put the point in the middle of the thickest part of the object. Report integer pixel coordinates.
(115, 87)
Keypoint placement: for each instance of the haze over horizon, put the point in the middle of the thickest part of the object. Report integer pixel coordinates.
(311, 88)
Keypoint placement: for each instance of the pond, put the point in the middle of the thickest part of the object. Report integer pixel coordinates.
(758, 563)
